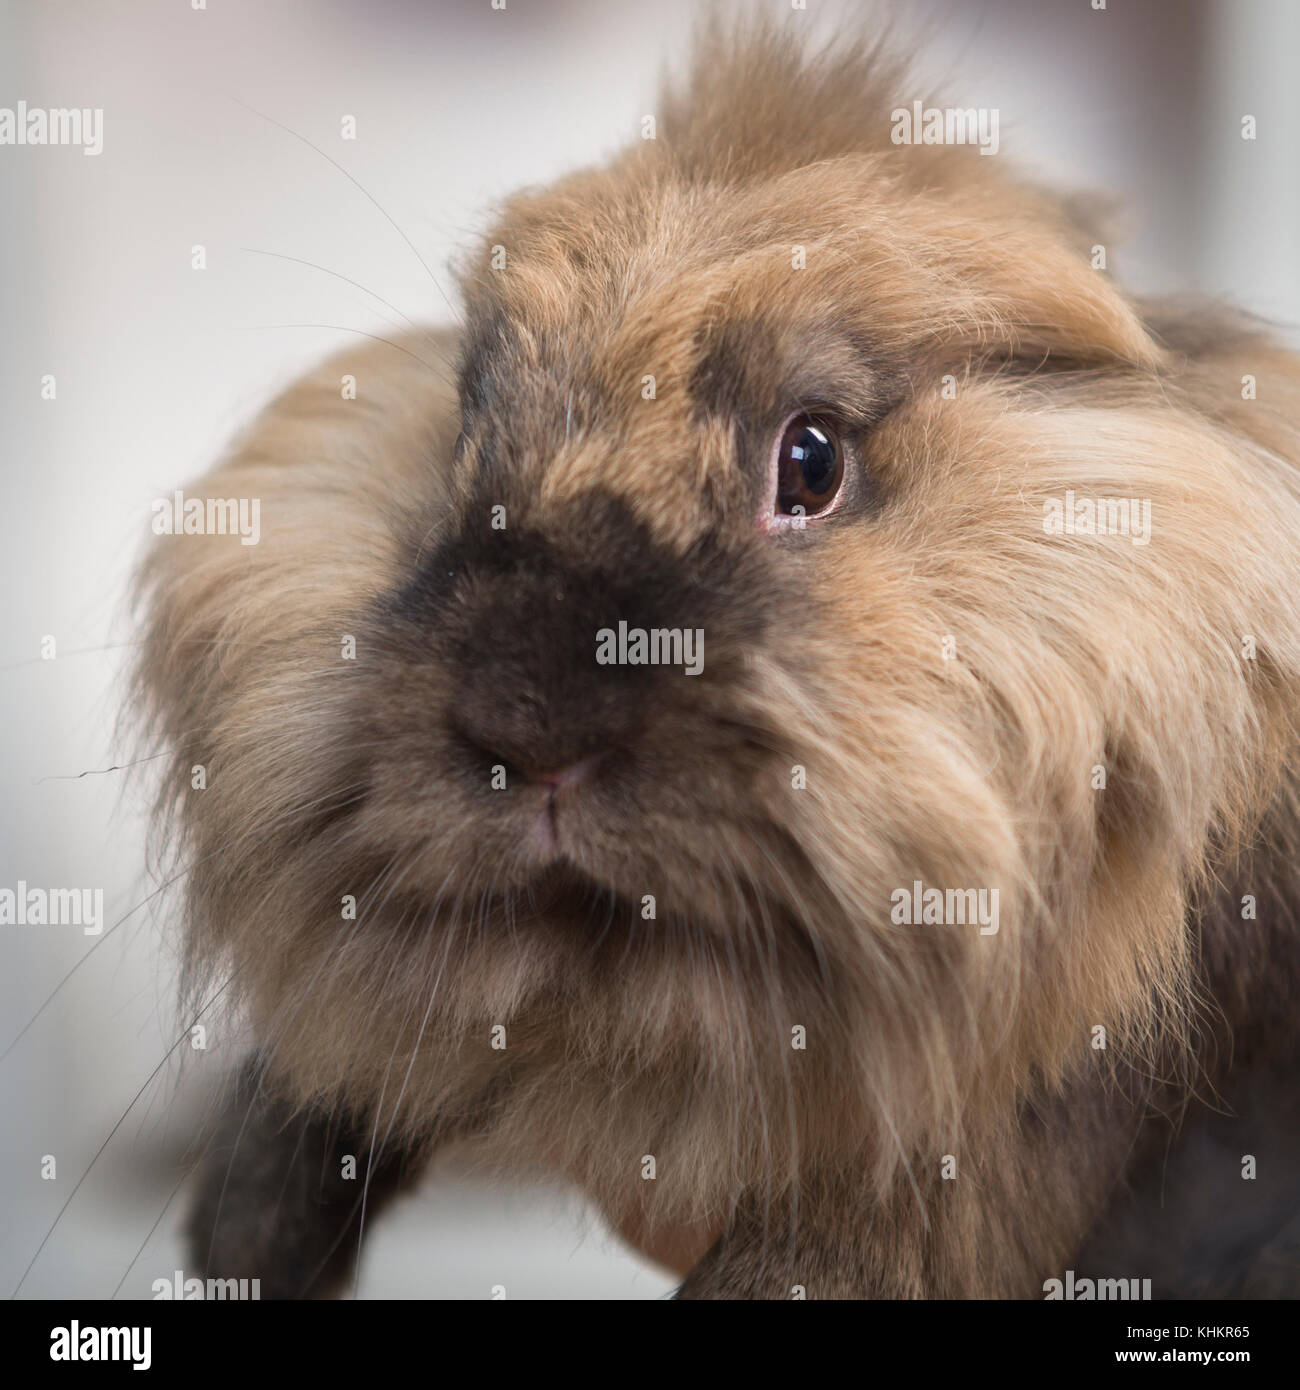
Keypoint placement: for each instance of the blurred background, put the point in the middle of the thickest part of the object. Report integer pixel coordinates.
(156, 364)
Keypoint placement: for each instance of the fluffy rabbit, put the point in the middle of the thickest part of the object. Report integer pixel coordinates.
(787, 719)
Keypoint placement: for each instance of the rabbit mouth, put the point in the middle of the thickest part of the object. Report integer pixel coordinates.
(550, 836)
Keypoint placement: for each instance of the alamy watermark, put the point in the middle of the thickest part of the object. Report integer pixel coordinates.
(1098, 516)
(1100, 1290)
(656, 646)
(193, 1288)
(179, 515)
(945, 907)
(53, 907)
(38, 125)
(945, 125)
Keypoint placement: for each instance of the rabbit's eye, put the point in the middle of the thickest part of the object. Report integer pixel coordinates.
(809, 467)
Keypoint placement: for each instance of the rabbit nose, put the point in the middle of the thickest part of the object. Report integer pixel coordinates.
(520, 620)
(553, 732)
(533, 760)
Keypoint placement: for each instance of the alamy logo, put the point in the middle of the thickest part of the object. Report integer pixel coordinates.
(35, 125)
(940, 907)
(656, 646)
(179, 515)
(1098, 516)
(53, 907)
(947, 125)
(1101, 1290)
(77, 1343)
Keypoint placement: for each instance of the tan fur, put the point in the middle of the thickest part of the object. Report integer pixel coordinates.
(672, 1037)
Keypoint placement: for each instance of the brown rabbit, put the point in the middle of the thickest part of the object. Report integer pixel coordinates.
(787, 719)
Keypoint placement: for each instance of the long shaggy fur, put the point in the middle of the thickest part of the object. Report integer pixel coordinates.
(949, 676)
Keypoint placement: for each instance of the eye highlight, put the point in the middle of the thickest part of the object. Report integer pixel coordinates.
(809, 469)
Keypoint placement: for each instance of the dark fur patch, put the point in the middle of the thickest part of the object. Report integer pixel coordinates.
(515, 614)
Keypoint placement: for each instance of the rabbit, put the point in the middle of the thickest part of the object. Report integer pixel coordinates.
(935, 936)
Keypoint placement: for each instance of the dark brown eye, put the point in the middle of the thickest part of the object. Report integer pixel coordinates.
(809, 467)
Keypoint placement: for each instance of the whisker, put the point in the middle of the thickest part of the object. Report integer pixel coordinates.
(344, 328)
(451, 926)
(352, 179)
(272, 1041)
(162, 888)
(99, 1152)
(171, 1197)
(356, 284)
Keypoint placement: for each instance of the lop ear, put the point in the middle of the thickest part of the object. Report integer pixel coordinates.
(977, 265)
(1037, 295)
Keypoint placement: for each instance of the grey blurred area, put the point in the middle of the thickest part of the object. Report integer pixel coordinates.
(222, 129)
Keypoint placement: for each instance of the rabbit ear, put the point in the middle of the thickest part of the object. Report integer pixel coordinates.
(1037, 297)
(937, 281)
(1012, 262)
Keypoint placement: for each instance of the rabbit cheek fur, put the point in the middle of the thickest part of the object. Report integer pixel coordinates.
(922, 687)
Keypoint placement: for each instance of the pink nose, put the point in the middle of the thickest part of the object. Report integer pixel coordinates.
(566, 776)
